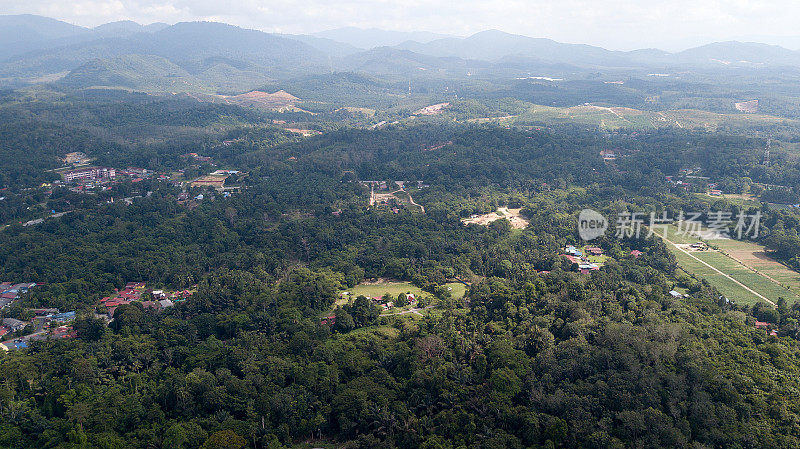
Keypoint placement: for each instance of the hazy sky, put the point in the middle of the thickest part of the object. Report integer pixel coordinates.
(616, 24)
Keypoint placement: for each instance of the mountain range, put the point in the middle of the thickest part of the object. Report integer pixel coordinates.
(215, 57)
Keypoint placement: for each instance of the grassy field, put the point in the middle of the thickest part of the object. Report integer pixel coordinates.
(732, 198)
(458, 289)
(618, 117)
(748, 265)
(379, 289)
(371, 290)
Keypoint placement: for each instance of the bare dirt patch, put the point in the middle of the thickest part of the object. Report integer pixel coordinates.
(432, 109)
(215, 181)
(514, 216)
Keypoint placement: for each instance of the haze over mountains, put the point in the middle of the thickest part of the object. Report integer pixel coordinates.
(212, 57)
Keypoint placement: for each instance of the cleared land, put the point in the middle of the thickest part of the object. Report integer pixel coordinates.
(755, 257)
(215, 181)
(400, 196)
(514, 216)
(745, 276)
(457, 289)
(378, 289)
(618, 117)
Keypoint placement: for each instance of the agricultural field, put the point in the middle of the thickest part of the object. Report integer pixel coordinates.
(620, 117)
(740, 270)
(755, 257)
(216, 181)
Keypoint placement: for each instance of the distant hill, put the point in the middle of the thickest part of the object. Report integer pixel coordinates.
(493, 45)
(372, 37)
(225, 59)
(21, 34)
(154, 73)
(194, 46)
(739, 53)
(330, 47)
(188, 41)
(30, 28)
(142, 72)
(393, 61)
(125, 28)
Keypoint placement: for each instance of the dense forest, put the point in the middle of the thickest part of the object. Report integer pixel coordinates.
(535, 355)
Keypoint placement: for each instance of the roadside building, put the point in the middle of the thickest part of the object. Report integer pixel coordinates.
(89, 173)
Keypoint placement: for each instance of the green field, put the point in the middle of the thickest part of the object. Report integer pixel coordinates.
(620, 117)
(378, 290)
(458, 289)
(754, 256)
(771, 280)
(730, 289)
(395, 288)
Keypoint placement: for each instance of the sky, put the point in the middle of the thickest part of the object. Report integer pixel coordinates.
(614, 24)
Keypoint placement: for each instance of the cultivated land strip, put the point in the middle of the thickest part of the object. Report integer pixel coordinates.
(759, 295)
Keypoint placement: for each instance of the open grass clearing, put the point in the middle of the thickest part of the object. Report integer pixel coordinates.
(378, 289)
(457, 289)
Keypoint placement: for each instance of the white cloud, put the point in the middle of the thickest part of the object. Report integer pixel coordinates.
(620, 24)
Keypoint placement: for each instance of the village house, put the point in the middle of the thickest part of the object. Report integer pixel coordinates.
(595, 251)
(13, 324)
(13, 345)
(63, 332)
(608, 155)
